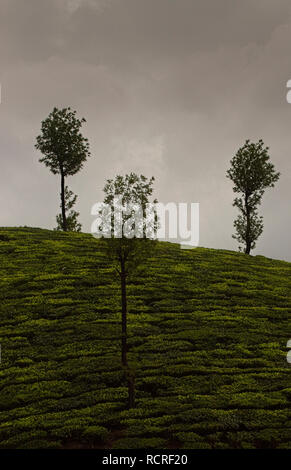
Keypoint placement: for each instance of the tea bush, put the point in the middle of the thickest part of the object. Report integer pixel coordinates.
(207, 337)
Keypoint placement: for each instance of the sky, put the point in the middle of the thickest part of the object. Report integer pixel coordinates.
(169, 88)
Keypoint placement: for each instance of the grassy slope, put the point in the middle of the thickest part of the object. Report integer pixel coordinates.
(208, 330)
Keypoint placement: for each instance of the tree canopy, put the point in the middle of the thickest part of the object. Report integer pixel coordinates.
(63, 146)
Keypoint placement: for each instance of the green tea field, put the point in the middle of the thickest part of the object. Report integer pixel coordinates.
(207, 334)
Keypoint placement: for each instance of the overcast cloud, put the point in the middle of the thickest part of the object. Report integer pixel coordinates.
(169, 88)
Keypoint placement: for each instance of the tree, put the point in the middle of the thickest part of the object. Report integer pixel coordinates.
(252, 173)
(129, 245)
(64, 149)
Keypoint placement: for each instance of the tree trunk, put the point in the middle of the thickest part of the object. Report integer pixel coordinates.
(248, 248)
(123, 316)
(63, 201)
(129, 375)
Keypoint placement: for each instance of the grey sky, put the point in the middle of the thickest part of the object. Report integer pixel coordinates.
(169, 88)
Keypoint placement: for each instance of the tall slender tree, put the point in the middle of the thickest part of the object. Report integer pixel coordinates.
(126, 252)
(252, 173)
(64, 151)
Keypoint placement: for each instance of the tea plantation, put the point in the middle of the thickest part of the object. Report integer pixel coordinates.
(207, 339)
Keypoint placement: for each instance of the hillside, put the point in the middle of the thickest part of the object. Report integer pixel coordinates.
(207, 337)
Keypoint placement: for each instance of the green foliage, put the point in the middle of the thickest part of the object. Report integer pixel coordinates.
(95, 433)
(125, 251)
(139, 443)
(251, 172)
(63, 147)
(207, 342)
